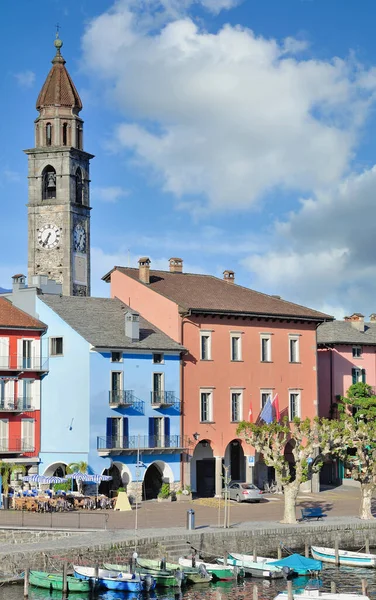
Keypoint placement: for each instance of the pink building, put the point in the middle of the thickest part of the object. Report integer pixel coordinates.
(242, 348)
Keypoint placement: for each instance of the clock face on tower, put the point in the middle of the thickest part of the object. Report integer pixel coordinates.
(79, 238)
(48, 236)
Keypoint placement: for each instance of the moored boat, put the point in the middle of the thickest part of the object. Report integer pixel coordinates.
(219, 572)
(163, 578)
(54, 581)
(346, 557)
(193, 574)
(257, 568)
(299, 564)
(319, 595)
(114, 580)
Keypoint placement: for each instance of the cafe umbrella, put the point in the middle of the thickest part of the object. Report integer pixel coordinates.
(88, 478)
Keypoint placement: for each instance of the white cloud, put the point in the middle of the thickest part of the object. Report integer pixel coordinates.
(25, 79)
(324, 254)
(224, 118)
(109, 194)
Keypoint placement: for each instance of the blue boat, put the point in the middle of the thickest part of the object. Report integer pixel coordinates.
(299, 564)
(112, 580)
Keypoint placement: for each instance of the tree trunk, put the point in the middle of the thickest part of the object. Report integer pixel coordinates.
(290, 493)
(366, 491)
(278, 481)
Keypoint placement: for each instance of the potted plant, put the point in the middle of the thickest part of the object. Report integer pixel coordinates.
(164, 493)
(185, 494)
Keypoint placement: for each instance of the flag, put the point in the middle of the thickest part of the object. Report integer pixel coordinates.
(275, 405)
(250, 413)
(266, 414)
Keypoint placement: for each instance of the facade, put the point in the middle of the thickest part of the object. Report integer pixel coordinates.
(242, 348)
(112, 395)
(58, 176)
(22, 368)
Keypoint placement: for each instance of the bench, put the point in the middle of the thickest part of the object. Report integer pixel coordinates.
(312, 513)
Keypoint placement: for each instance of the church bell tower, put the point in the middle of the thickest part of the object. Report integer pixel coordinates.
(58, 174)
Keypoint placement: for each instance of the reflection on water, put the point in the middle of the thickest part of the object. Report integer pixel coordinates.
(346, 578)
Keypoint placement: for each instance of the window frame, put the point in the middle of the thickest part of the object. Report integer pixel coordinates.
(299, 411)
(269, 392)
(266, 337)
(238, 336)
(161, 362)
(209, 392)
(112, 357)
(294, 338)
(56, 337)
(359, 348)
(238, 392)
(208, 334)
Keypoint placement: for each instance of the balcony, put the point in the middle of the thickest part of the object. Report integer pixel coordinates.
(21, 363)
(16, 405)
(125, 399)
(152, 444)
(164, 400)
(16, 445)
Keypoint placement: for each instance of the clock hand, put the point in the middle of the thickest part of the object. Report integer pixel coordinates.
(47, 238)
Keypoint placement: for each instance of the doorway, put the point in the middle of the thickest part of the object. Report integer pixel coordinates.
(152, 482)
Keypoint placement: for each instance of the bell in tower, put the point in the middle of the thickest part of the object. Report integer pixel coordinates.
(59, 185)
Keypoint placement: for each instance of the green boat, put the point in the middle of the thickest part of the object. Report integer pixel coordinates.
(193, 574)
(54, 581)
(162, 578)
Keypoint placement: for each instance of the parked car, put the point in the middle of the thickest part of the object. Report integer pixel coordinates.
(244, 492)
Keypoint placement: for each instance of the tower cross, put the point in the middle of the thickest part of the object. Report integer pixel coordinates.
(57, 29)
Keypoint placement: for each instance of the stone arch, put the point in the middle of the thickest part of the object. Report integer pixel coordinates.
(235, 460)
(203, 469)
(79, 186)
(58, 469)
(157, 473)
(49, 131)
(48, 182)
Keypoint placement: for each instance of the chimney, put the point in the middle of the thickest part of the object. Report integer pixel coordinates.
(19, 282)
(372, 317)
(356, 320)
(176, 265)
(132, 325)
(144, 269)
(229, 276)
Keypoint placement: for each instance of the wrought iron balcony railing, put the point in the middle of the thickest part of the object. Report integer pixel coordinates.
(142, 442)
(16, 445)
(17, 362)
(164, 400)
(125, 399)
(16, 404)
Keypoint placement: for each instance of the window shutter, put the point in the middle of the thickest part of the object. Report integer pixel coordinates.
(353, 375)
(363, 375)
(125, 433)
(109, 433)
(167, 432)
(4, 352)
(35, 391)
(19, 353)
(151, 432)
(9, 393)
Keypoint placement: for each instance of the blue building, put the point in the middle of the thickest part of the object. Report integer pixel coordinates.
(111, 398)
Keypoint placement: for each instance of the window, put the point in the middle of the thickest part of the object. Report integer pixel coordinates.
(27, 435)
(158, 388)
(4, 434)
(79, 136)
(205, 345)
(65, 134)
(117, 432)
(116, 357)
(294, 404)
(79, 186)
(56, 346)
(358, 375)
(265, 395)
(236, 406)
(25, 394)
(357, 351)
(206, 406)
(27, 346)
(48, 134)
(48, 183)
(266, 355)
(236, 347)
(293, 348)
(158, 358)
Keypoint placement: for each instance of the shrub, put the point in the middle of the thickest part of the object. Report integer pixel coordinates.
(164, 491)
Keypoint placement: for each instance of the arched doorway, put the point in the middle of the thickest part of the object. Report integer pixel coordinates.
(56, 470)
(106, 487)
(153, 481)
(203, 470)
(234, 458)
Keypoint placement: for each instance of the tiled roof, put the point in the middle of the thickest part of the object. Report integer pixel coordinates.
(207, 293)
(13, 317)
(342, 332)
(58, 88)
(101, 321)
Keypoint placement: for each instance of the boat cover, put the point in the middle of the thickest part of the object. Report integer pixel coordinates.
(297, 562)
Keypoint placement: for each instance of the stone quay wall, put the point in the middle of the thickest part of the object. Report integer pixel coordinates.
(29, 536)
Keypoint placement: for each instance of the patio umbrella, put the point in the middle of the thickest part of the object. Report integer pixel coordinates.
(43, 479)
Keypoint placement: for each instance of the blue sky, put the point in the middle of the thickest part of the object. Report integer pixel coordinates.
(233, 134)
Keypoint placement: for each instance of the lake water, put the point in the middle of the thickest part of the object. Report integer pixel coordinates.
(346, 578)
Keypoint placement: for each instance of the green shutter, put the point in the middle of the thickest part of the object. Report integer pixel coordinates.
(353, 375)
(363, 375)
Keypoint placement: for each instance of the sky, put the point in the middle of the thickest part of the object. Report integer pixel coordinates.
(233, 134)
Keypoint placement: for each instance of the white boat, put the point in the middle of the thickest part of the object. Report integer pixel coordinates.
(346, 557)
(311, 594)
(255, 568)
(219, 572)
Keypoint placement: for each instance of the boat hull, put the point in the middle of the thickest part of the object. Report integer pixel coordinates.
(161, 580)
(346, 558)
(50, 581)
(258, 568)
(112, 580)
(193, 575)
(218, 572)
